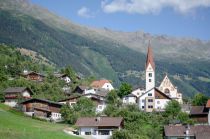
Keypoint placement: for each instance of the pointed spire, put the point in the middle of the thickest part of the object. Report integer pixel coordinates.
(150, 57)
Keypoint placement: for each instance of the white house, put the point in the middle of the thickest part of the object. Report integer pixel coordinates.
(105, 84)
(208, 106)
(138, 92)
(129, 99)
(99, 126)
(14, 94)
(64, 77)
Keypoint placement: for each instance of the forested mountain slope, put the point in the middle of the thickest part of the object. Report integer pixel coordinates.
(104, 53)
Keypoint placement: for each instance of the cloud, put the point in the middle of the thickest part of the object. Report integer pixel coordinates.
(152, 6)
(85, 12)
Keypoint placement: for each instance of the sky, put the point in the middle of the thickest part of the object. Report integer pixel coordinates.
(179, 18)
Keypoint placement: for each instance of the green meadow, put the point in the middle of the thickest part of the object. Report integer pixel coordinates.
(14, 125)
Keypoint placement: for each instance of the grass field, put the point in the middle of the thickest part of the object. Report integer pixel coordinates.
(14, 125)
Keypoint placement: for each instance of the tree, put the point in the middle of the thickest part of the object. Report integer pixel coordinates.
(172, 109)
(112, 97)
(124, 89)
(70, 72)
(85, 107)
(199, 99)
(69, 115)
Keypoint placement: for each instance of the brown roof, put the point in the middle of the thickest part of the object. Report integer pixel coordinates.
(203, 135)
(17, 90)
(197, 110)
(99, 122)
(33, 72)
(99, 83)
(180, 130)
(150, 59)
(41, 100)
(208, 104)
(160, 95)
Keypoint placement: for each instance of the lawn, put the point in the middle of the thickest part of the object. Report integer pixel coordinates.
(14, 125)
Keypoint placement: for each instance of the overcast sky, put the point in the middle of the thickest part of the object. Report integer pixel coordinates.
(182, 18)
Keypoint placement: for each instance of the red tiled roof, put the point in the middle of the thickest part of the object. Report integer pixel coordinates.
(150, 59)
(99, 122)
(208, 104)
(99, 83)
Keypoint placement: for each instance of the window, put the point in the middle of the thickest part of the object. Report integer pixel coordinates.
(150, 74)
(166, 91)
(150, 80)
(87, 133)
(150, 100)
(142, 107)
(150, 106)
(158, 102)
(99, 107)
(149, 94)
(142, 101)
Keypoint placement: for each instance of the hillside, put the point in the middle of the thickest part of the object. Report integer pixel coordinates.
(15, 125)
(119, 56)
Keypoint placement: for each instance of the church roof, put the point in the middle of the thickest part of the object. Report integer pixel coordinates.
(150, 59)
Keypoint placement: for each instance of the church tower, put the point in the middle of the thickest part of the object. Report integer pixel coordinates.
(150, 69)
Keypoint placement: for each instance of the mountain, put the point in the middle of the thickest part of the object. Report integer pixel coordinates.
(115, 55)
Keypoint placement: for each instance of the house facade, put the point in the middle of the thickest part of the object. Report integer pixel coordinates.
(34, 76)
(15, 94)
(42, 108)
(130, 99)
(208, 107)
(99, 125)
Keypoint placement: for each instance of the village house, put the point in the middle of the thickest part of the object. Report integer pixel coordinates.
(13, 95)
(138, 91)
(34, 76)
(64, 77)
(99, 125)
(81, 89)
(208, 107)
(42, 108)
(99, 99)
(187, 132)
(105, 84)
(199, 114)
(129, 99)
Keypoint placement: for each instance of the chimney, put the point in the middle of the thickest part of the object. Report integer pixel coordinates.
(98, 119)
(187, 129)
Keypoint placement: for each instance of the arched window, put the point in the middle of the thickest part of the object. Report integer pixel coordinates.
(166, 91)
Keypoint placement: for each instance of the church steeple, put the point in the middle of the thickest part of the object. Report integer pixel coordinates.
(150, 69)
(150, 57)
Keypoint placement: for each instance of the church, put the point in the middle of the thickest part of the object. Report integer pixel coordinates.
(154, 98)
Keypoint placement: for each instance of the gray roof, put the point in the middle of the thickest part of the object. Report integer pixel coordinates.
(16, 90)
